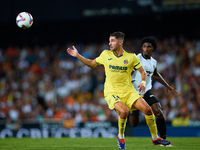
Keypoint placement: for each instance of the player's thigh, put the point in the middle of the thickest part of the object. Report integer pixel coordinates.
(130, 99)
(115, 102)
(142, 105)
(121, 108)
(150, 98)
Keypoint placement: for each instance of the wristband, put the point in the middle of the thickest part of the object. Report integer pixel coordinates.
(143, 82)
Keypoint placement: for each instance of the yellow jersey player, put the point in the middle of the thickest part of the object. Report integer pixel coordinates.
(118, 90)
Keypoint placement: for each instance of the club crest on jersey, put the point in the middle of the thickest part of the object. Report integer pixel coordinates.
(116, 98)
(125, 61)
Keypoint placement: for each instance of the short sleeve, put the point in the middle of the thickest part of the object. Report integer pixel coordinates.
(136, 62)
(100, 60)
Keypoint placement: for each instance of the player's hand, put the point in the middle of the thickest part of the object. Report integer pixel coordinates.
(142, 87)
(73, 52)
(169, 88)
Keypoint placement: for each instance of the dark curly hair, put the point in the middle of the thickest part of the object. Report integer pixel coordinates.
(150, 39)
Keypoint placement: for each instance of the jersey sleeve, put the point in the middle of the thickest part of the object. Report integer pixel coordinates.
(136, 62)
(99, 60)
(155, 68)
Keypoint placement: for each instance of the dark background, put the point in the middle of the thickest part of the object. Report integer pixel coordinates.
(63, 21)
(84, 21)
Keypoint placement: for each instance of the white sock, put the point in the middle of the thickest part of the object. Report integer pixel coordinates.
(121, 137)
(154, 138)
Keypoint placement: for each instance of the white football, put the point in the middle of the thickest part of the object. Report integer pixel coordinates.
(24, 20)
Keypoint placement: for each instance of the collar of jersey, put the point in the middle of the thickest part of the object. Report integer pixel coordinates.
(144, 57)
(117, 56)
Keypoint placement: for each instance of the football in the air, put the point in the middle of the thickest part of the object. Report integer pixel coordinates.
(24, 20)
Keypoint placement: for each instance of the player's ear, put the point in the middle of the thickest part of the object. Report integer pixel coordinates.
(121, 42)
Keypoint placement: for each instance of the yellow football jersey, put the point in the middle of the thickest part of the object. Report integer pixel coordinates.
(118, 71)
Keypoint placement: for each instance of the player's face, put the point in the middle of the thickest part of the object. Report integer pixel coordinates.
(114, 43)
(147, 49)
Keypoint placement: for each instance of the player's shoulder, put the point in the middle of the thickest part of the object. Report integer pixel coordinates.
(139, 55)
(129, 53)
(153, 60)
(106, 51)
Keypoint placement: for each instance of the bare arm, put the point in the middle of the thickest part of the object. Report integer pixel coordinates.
(142, 85)
(89, 62)
(160, 79)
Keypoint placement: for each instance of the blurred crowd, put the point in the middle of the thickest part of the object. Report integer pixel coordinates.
(44, 83)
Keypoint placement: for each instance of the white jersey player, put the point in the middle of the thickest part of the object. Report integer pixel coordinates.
(149, 44)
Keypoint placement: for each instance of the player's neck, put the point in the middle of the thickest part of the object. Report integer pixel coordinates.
(119, 52)
(146, 56)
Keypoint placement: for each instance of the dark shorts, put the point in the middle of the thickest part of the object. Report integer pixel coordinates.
(149, 98)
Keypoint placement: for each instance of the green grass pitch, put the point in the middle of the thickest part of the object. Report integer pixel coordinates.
(132, 143)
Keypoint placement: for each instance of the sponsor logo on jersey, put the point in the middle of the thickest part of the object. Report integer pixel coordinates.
(110, 59)
(117, 68)
(149, 73)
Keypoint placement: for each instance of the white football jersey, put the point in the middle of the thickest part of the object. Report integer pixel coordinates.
(149, 66)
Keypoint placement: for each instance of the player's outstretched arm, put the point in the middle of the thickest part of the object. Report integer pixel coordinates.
(73, 52)
(142, 85)
(160, 79)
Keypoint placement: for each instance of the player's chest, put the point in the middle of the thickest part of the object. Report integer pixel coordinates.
(118, 64)
(148, 65)
(118, 61)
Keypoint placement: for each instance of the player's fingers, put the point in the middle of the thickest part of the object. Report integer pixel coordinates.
(139, 88)
(144, 89)
(74, 47)
(175, 91)
(68, 50)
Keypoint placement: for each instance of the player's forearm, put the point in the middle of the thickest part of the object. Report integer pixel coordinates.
(86, 61)
(160, 79)
(144, 76)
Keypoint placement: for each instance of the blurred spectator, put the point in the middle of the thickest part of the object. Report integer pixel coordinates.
(38, 83)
